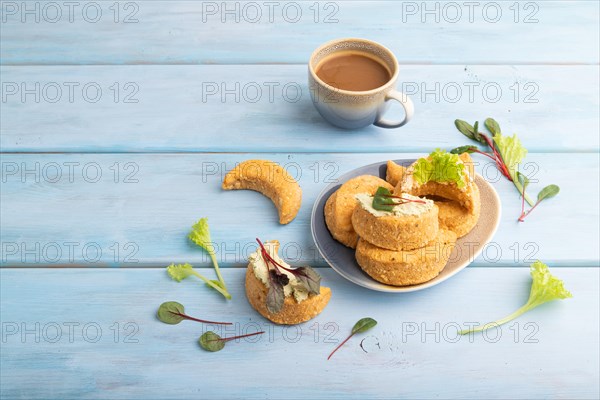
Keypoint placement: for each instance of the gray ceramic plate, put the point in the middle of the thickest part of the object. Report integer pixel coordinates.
(341, 258)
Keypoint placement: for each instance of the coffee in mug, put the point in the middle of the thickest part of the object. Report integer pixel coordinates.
(351, 82)
(353, 70)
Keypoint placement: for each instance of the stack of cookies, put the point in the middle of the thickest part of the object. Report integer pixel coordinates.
(411, 242)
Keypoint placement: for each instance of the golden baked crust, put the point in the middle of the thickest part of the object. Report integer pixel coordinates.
(466, 197)
(393, 232)
(394, 173)
(347, 238)
(292, 311)
(341, 204)
(469, 164)
(403, 268)
(448, 191)
(270, 179)
(458, 219)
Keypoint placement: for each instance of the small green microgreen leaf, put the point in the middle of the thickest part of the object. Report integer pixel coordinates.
(465, 128)
(363, 325)
(171, 312)
(548, 192)
(524, 180)
(210, 341)
(492, 126)
(464, 149)
(382, 201)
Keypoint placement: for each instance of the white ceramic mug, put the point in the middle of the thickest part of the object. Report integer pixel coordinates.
(357, 109)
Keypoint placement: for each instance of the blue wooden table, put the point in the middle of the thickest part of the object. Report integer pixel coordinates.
(119, 120)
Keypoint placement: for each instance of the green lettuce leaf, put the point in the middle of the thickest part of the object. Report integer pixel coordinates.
(440, 166)
(544, 288)
(179, 272)
(512, 152)
(200, 235)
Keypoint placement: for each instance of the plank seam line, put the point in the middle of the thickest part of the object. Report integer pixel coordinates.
(274, 63)
(49, 267)
(314, 152)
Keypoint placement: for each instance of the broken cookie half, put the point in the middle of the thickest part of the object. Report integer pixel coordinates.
(280, 293)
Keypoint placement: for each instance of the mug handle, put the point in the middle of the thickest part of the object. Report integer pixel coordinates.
(405, 101)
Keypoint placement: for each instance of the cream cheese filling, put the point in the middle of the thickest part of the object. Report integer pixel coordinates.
(261, 271)
(409, 208)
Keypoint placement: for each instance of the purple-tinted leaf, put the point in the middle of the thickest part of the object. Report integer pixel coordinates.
(275, 296)
(309, 278)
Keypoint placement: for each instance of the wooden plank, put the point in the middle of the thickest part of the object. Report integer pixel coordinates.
(190, 32)
(268, 109)
(135, 210)
(413, 352)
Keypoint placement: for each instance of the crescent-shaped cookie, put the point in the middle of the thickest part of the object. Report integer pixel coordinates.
(270, 179)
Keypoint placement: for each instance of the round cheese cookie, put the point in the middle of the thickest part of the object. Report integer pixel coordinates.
(408, 226)
(406, 267)
(340, 206)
